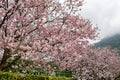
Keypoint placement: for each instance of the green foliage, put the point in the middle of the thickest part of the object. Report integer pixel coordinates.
(36, 71)
(64, 73)
(118, 77)
(16, 76)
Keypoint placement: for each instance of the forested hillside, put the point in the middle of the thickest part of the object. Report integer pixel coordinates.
(113, 41)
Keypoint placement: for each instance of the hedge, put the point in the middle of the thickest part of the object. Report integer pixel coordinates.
(63, 74)
(16, 76)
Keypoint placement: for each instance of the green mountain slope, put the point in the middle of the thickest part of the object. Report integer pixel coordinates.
(113, 41)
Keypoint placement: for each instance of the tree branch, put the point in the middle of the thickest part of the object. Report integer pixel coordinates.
(13, 62)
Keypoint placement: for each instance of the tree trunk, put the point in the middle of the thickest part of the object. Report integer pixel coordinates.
(6, 55)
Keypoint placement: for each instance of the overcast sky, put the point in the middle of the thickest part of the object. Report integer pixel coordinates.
(103, 13)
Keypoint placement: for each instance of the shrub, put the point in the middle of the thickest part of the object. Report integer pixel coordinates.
(63, 73)
(16, 76)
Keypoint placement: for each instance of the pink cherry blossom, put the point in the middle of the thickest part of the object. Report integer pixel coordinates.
(42, 31)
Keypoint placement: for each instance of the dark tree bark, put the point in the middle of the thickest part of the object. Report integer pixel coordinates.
(6, 55)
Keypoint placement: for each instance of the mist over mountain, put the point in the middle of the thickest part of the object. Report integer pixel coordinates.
(113, 41)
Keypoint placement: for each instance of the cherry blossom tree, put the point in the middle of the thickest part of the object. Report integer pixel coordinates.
(43, 31)
(98, 64)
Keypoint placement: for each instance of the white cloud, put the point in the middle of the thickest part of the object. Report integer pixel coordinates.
(115, 21)
(105, 14)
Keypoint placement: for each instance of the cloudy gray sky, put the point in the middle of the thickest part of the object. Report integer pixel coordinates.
(103, 13)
